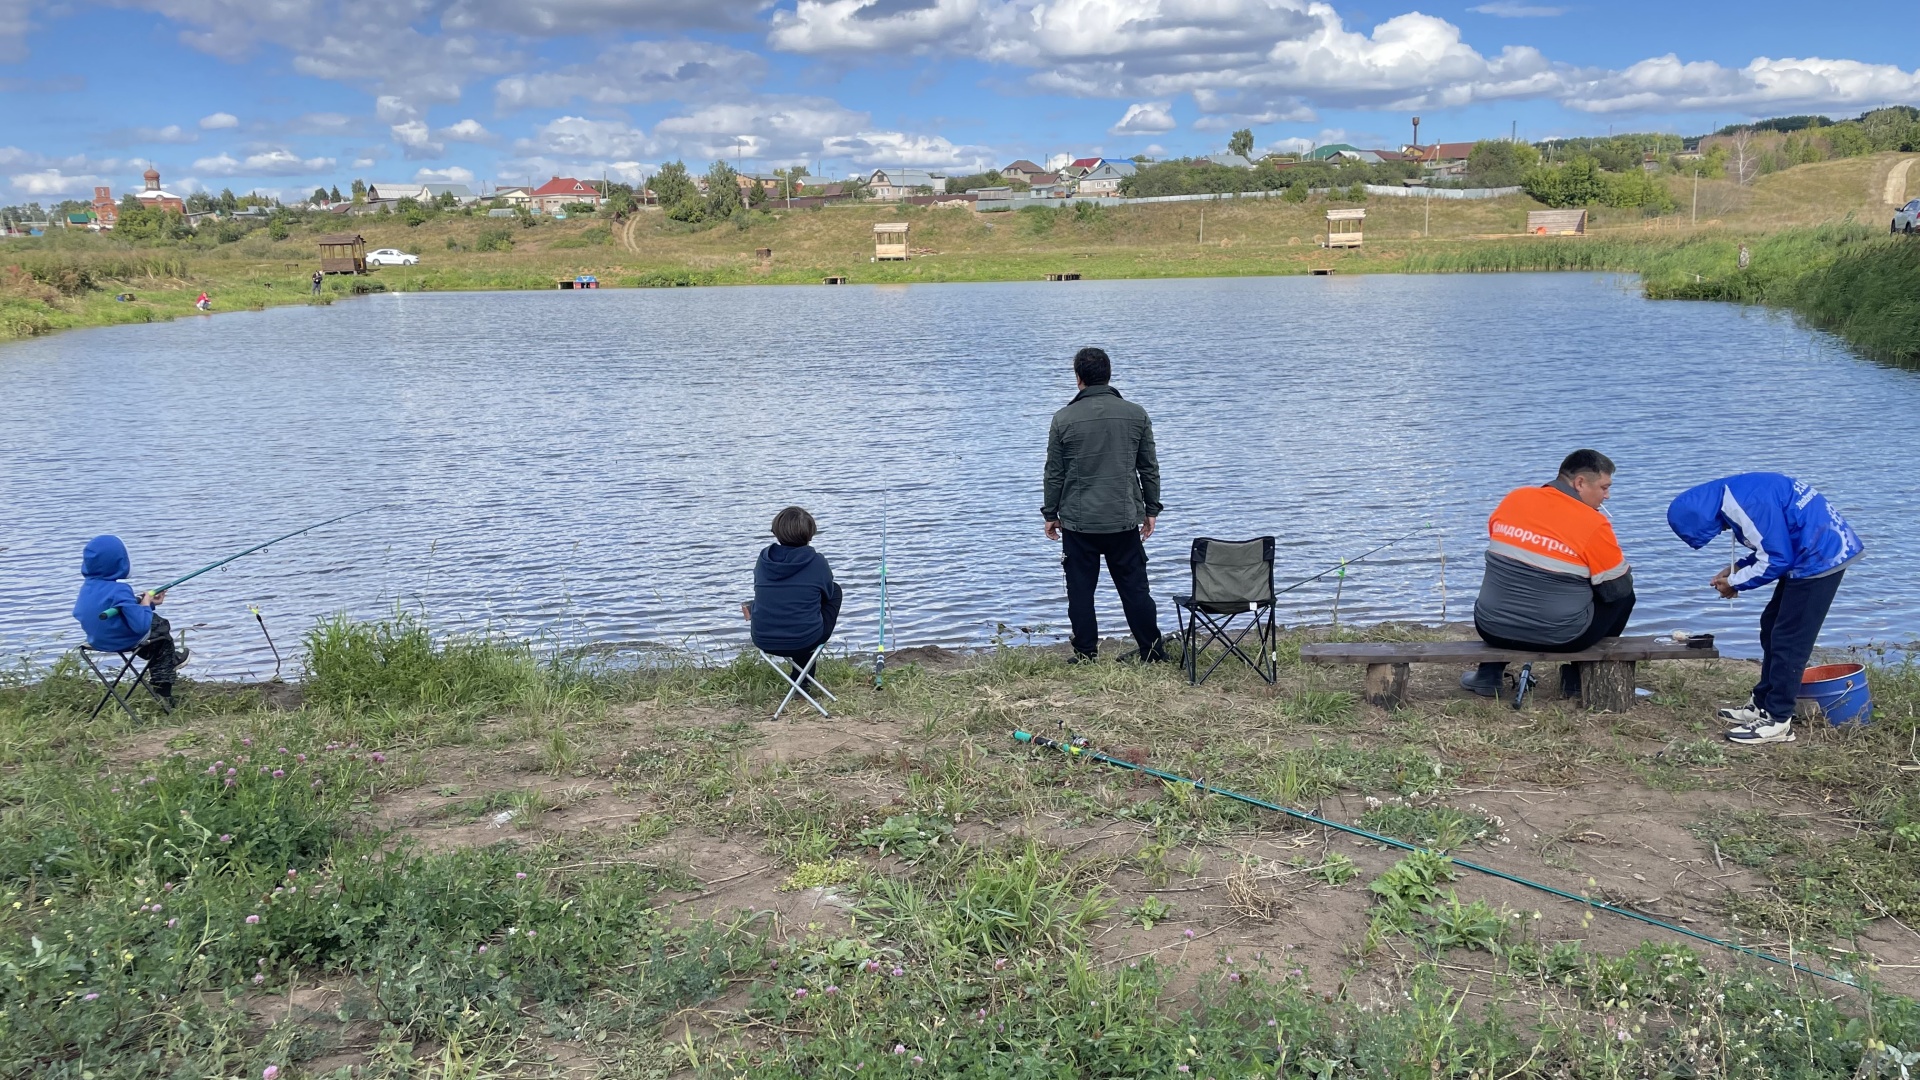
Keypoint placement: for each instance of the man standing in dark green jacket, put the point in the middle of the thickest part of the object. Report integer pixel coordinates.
(1102, 496)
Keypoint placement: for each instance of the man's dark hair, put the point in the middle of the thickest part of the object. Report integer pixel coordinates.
(1093, 367)
(794, 527)
(1587, 462)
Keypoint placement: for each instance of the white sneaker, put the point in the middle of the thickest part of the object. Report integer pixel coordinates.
(1742, 715)
(1764, 729)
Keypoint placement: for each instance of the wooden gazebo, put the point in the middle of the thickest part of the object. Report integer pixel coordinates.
(890, 241)
(343, 253)
(1344, 226)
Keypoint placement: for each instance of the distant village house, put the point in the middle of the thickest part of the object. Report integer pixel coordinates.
(563, 191)
(892, 185)
(1105, 180)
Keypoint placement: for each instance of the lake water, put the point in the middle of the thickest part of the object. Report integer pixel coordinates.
(600, 467)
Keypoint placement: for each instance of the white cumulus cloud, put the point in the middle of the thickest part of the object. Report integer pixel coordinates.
(171, 134)
(274, 162)
(468, 130)
(1510, 9)
(635, 72)
(452, 174)
(556, 18)
(218, 121)
(416, 141)
(1765, 85)
(1146, 118)
(53, 182)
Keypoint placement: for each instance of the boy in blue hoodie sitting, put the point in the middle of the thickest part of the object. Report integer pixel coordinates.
(1798, 543)
(134, 624)
(796, 602)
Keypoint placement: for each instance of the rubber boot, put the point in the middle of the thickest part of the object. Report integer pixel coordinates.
(1487, 680)
(1569, 681)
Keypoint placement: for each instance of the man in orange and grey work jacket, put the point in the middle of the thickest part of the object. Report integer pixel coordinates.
(1556, 579)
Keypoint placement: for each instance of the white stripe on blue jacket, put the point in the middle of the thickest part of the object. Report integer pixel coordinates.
(1789, 529)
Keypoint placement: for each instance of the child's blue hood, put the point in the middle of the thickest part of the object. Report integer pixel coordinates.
(106, 558)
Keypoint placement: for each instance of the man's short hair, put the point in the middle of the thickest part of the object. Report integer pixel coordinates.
(794, 527)
(1588, 463)
(1093, 367)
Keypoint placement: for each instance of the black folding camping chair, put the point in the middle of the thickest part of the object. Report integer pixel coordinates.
(1231, 578)
(130, 664)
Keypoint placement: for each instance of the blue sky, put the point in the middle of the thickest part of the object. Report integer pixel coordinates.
(283, 95)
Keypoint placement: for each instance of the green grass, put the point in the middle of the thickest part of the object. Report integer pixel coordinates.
(977, 941)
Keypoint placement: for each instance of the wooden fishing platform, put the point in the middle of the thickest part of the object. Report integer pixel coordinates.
(837, 279)
(1606, 670)
(1063, 277)
(1323, 271)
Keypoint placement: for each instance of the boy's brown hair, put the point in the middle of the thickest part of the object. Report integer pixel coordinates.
(794, 527)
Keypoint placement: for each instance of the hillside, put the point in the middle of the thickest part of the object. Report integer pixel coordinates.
(71, 280)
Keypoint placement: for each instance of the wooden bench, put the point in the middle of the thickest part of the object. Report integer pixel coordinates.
(1606, 670)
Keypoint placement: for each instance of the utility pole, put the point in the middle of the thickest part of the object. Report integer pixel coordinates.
(1426, 228)
(1514, 137)
(1203, 226)
(1696, 195)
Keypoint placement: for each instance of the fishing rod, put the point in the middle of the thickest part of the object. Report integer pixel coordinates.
(1342, 565)
(1076, 748)
(880, 651)
(112, 611)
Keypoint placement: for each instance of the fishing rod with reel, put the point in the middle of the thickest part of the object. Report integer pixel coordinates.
(217, 564)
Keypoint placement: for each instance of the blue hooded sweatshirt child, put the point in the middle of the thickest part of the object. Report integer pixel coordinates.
(795, 599)
(1788, 528)
(104, 565)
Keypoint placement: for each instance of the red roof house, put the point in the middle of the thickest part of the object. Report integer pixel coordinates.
(563, 191)
(1082, 166)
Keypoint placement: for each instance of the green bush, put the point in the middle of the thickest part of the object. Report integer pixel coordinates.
(396, 663)
(494, 239)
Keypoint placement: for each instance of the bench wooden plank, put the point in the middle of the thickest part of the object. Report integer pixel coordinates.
(1617, 650)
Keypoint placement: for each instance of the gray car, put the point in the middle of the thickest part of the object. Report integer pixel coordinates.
(1907, 218)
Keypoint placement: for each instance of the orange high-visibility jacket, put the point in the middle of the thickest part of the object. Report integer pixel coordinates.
(1545, 528)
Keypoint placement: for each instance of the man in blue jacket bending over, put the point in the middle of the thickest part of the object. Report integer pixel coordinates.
(135, 625)
(1797, 540)
(796, 602)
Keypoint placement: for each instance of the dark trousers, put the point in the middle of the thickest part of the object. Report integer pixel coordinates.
(1788, 629)
(1127, 564)
(157, 650)
(830, 618)
(1609, 620)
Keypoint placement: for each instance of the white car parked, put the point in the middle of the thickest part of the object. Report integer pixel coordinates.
(1907, 218)
(391, 257)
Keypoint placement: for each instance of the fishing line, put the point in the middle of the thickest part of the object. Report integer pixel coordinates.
(1342, 565)
(1075, 748)
(112, 611)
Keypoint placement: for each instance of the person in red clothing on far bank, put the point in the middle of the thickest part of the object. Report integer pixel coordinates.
(1556, 579)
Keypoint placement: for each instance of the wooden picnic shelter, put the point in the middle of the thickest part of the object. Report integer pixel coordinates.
(343, 253)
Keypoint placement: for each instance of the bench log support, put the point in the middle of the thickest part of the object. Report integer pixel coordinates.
(1606, 685)
(1606, 670)
(1387, 685)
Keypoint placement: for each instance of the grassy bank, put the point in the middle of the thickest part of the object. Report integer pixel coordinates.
(458, 860)
(1797, 221)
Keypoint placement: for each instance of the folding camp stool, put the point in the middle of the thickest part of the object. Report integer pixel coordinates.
(1231, 578)
(798, 686)
(130, 662)
(794, 686)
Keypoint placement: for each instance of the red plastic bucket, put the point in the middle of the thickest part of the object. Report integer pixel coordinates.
(1838, 692)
